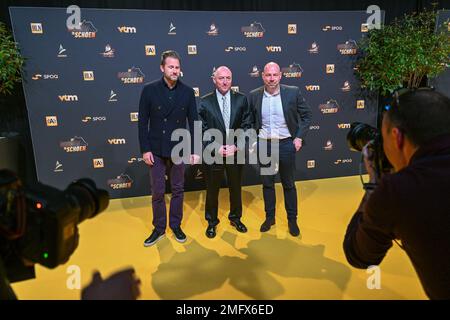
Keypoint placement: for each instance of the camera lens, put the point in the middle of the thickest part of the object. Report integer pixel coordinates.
(90, 200)
(359, 135)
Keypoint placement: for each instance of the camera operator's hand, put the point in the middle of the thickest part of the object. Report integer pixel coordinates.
(367, 152)
(123, 285)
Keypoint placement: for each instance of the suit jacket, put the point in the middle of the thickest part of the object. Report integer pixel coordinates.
(158, 117)
(297, 113)
(211, 116)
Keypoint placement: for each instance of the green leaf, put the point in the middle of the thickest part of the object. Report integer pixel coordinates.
(11, 61)
(396, 52)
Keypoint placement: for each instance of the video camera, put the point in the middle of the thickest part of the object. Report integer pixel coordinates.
(39, 224)
(362, 134)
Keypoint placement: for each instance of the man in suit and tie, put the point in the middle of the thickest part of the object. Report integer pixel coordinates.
(224, 110)
(165, 105)
(281, 118)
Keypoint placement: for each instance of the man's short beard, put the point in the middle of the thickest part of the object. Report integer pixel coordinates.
(171, 78)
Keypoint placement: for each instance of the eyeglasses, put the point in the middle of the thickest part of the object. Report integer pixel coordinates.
(398, 93)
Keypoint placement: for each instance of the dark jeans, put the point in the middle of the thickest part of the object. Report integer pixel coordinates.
(158, 181)
(286, 168)
(214, 175)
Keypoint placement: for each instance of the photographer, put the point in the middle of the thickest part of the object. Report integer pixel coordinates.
(413, 203)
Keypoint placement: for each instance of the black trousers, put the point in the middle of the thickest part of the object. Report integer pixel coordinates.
(286, 169)
(214, 176)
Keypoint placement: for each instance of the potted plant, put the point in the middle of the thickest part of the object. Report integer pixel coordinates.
(403, 54)
(11, 63)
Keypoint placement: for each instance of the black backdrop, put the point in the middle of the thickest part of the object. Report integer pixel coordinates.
(99, 113)
(13, 115)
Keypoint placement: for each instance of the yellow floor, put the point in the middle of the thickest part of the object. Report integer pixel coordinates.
(233, 266)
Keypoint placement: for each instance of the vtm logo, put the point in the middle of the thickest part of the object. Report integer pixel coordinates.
(312, 87)
(124, 29)
(273, 48)
(117, 141)
(68, 98)
(343, 125)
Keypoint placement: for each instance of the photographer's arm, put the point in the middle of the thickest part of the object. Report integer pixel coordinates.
(370, 232)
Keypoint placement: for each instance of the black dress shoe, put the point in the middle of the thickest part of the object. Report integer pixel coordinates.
(179, 235)
(153, 238)
(293, 228)
(211, 231)
(267, 224)
(239, 226)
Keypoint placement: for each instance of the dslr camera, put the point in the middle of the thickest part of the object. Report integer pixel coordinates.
(362, 134)
(39, 224)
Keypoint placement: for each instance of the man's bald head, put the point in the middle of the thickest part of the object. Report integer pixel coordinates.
(222, 69)
(271, 77)
(222, 79)
(271, 67)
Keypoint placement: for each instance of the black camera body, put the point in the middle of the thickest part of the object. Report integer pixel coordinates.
(39, 224)
(362, 134)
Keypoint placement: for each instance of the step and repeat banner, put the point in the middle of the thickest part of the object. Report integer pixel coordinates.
(82, 86)
(442, 82)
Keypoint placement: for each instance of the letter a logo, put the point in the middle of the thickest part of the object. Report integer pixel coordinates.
(374, 280)
(74, 279)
